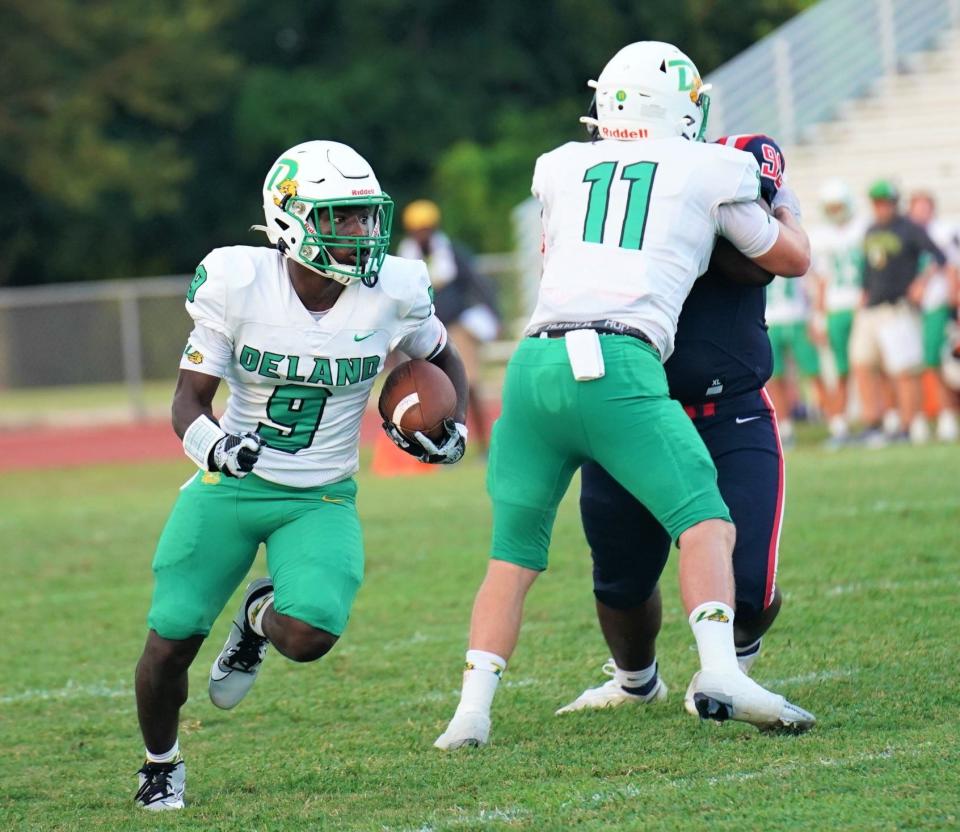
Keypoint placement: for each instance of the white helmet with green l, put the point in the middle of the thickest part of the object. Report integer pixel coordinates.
(304, 191)
(648, 90)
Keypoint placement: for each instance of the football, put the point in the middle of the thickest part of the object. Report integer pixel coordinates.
(418, 396)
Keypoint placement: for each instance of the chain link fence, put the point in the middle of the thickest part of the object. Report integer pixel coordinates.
(121, 331)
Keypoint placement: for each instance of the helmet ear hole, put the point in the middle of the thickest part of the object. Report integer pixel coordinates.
(282, 224)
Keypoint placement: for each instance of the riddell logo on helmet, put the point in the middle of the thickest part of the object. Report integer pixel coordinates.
(362, 192)
(623, 133)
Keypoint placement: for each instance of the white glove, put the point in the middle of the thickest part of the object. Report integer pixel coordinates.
(786, 198)
(236, 454)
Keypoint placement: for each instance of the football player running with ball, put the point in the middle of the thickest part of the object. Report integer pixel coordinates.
(721, 361)
(629, 222)
(299, 331)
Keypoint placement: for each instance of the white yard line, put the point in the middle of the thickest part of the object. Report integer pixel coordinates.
(807, 678)
(470, 820)
(805, 593)
(658, 784)
(71, 690)
(887, 506)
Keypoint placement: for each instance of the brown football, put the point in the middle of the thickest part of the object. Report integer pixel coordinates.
(418, 396)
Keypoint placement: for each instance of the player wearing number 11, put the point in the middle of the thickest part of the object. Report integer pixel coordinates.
(299, 331)
(629, 222)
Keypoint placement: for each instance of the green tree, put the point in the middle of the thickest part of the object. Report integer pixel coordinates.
(134, 136)
(95, 105)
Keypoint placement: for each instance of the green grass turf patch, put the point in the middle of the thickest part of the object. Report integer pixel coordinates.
(867, 641)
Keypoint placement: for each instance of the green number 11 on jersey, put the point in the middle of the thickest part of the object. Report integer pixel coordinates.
(600, 176)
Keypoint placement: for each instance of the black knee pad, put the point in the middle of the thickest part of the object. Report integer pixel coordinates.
(628, 546)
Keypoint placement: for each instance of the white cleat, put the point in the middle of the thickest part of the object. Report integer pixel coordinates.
(610, 695)
(948, 428)
(234, 671)
(471, 729)
(161, 786)
(723, 696)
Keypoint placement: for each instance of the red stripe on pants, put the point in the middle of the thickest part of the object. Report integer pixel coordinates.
(773, 556)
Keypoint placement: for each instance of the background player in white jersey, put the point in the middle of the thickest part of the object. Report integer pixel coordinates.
(299, 331)
(795, 359)
(629, 223)
(837, 249)
(937, 310)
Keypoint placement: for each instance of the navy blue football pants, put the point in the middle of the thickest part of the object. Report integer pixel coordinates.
(628, 546)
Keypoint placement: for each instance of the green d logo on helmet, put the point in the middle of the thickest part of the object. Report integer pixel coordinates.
(648, 90)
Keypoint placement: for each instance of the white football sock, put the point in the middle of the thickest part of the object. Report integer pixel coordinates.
(170, 756)
(785, 427)
(839, 429)
(256, 613)
(633, 679)
(891, 423)
(919, 430)
(948, 429)
(480, 679)
(712, 625)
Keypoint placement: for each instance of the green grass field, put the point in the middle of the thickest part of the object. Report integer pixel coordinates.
(867, 640)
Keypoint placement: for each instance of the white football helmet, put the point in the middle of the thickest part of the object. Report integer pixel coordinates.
(836, 201)
(301, 193)
(649, 90)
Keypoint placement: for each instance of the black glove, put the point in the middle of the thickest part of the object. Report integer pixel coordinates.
(448, 450)
(236, 454)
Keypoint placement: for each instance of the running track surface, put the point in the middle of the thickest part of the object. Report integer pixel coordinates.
(37, 448)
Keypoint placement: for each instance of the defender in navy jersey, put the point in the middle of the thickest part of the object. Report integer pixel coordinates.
(721, 362)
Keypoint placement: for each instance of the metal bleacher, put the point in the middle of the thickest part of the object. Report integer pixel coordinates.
(856, 89)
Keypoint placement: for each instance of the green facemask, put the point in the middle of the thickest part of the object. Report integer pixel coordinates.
(315, 246)
(704, 104)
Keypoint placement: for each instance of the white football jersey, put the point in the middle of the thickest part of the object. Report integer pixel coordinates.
(629, 226)
(838, 259)
(787, 301)
(947, 237)
(300, 379)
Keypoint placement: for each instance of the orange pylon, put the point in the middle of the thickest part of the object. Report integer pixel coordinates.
(390, 461)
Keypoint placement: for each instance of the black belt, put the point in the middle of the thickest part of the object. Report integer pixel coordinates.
(606, 327)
